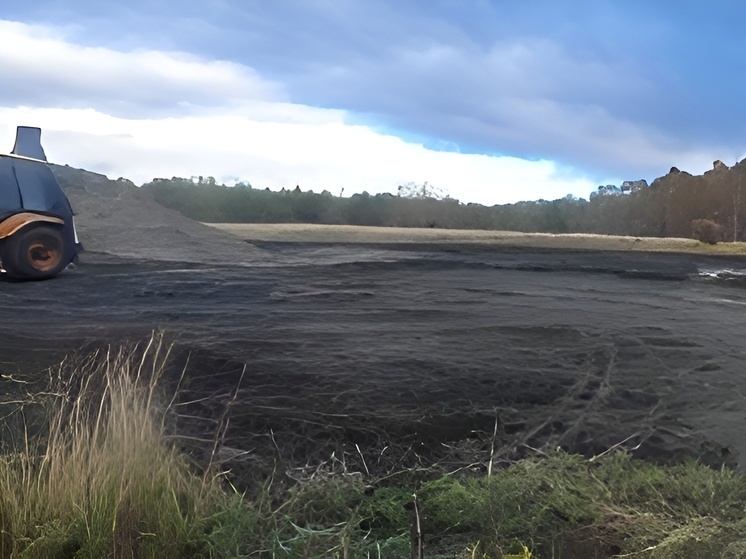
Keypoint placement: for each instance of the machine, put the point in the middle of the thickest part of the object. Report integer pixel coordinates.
(37, 230)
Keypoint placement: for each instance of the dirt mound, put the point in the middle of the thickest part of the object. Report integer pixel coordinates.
(116, 218)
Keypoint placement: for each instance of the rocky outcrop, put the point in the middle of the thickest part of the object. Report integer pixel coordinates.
(719, 165)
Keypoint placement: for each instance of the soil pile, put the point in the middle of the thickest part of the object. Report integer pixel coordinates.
(116, 218)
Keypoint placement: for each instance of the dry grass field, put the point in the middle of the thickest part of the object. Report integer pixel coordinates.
(295, 232)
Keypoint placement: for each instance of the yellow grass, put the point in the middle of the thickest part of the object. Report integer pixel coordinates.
(102, 481)
(295, 232)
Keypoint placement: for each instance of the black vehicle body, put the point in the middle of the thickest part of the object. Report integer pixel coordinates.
(37, 231)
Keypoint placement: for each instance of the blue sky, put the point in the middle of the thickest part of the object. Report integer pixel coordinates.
(491, 101)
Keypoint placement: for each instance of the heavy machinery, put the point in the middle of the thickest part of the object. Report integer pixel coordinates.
(37, 231)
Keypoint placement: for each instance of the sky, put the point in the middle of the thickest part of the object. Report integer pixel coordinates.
(490, 101)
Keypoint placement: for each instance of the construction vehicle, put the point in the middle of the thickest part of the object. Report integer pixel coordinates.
(37, 231)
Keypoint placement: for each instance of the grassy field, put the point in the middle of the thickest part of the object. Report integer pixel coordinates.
(295, 232)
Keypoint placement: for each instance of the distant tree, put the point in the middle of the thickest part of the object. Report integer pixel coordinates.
(710, 207)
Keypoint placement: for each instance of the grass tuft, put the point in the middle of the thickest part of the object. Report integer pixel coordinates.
(100, 479)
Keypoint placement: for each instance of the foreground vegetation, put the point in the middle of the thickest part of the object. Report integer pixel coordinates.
(89, 469)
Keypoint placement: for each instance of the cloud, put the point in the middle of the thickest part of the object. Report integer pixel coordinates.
(525, 96)
(325, 155)
(144, 114)
(615, 91)
(47, 70)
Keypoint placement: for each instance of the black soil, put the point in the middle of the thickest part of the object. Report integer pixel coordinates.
(394, 356)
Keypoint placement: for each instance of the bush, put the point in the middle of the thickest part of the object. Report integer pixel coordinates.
(707, 231)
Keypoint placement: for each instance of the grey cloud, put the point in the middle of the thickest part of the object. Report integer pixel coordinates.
(525, 98)
(592, 84)
(141, 83)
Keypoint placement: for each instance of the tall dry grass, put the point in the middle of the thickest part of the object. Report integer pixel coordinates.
(101, 480)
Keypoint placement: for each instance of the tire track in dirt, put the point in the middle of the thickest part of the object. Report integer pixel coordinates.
(418, 348)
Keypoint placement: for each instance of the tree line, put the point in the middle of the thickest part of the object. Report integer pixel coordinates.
(676, 205)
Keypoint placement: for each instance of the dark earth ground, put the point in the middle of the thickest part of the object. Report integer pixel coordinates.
(386, 357)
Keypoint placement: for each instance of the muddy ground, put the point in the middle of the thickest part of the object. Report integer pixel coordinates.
(383, 357)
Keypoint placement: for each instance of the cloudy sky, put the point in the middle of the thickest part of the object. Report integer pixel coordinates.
(493, 101)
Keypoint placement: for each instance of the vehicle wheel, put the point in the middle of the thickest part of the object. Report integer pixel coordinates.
(35, 252)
